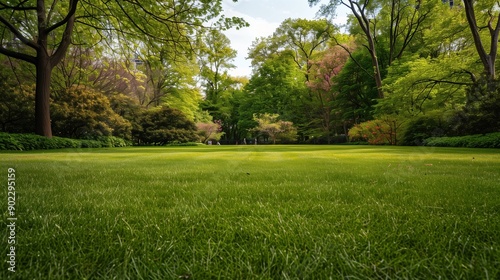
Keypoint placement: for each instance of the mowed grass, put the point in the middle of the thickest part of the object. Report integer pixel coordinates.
(255, 212)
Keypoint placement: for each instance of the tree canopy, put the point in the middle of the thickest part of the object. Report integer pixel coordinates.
(161, 71)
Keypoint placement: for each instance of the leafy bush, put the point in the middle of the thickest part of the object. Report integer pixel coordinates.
(209, 131)
(164, 125)
(17, 107)
(491, 140)
(9, 142)
(187, 144)
(481, 113)
(270, 125)
(166, 136)
(423, 127)
(376, 132)
(112, 141)
(81, 112)
(23, 142)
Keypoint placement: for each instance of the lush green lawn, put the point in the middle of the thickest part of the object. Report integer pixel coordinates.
(255, 212)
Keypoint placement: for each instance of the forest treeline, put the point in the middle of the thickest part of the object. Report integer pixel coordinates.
(398, 72)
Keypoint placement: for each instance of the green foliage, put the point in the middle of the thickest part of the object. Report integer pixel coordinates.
(209, 131)
(481, 113)
(423, 84)
(81, 112)
(10, 142)
(380, 131)
(160, 126)
(215, 56)
(186, 144)
(299, 39)
(24, 142)
(16, 108)
(491, 140)
(278, 87)
(356, 90)
(269, 125)
(113, 141)
(419, 128)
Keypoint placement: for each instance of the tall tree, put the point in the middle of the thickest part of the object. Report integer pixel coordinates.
(361, 11)
(305, 38)
(45, 53)
(301, 39)
(400, 21)
(322, 84)
(215, 57)
(44, 30)
(489, 18)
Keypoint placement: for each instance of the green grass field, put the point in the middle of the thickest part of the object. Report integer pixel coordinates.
(254, 212)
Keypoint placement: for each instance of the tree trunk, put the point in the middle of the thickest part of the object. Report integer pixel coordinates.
(488, 59)
(364, 22)
(42, 95)
(376, 71)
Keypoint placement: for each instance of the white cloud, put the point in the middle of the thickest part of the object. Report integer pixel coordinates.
(242, 39)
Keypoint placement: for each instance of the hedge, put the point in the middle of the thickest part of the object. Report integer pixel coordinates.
(491, 140)
(24, 142)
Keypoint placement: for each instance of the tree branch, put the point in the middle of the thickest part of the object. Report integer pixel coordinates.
(18, 55)
(352, 57)
(18, 34)
(18, 7)
(69, 20)
(71, 13)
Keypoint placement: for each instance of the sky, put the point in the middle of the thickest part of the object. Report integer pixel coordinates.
(264, 16)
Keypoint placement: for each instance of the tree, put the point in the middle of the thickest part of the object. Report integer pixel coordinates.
(322, 84)
(41, 33)
(301, 39)
(357, 90)
(277, 87)
(361, 10)
(46, 55)
(215, 56)
(209, 130)
(226, 109)
(488, 19)
(269, 125)
(400, 20)
(167, 81)
(305, 38)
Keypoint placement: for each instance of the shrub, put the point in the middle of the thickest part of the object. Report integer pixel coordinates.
(164, 125)
(166, 136)
(17, 108)
(423, 127)
(23, 142)
(9, 142)
(376, 132)
(81, 112)
(270, 125)
(187, 144)
(491, 140)
(112, 141)
(481, 113)
(209, 131)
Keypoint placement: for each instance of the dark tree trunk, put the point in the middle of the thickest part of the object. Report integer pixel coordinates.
(42, 96)
(376, 69)
(488, 59)
(364, 21)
